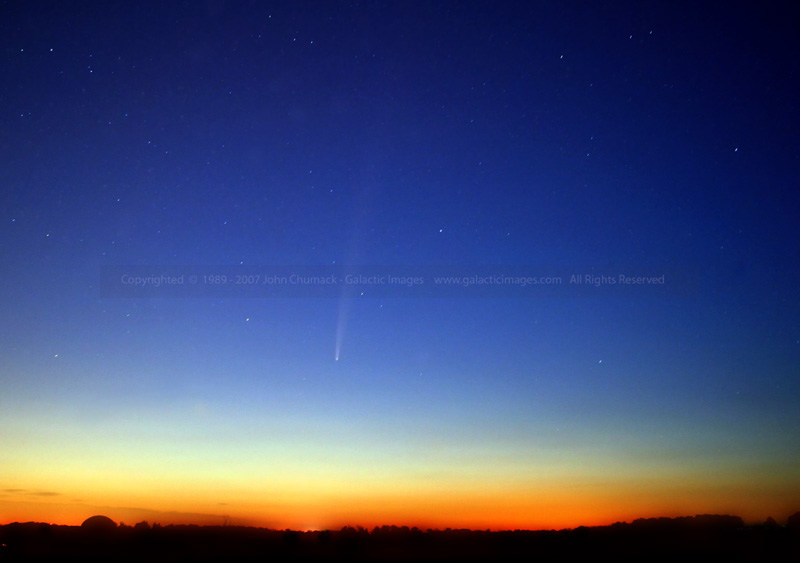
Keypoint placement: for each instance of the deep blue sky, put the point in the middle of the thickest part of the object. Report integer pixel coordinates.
(646, 137)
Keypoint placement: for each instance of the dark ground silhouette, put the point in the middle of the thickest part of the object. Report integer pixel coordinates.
(644, 539)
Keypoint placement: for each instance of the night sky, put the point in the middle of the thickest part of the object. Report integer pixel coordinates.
(557, 140)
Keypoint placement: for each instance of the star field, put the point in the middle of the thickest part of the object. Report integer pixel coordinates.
(645, 156)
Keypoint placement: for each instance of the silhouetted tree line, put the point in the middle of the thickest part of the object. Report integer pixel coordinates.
(702, 536)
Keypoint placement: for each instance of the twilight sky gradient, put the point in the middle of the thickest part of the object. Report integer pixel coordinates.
(540, 138)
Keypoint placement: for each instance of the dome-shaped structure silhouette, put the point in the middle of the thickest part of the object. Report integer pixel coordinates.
(99, 524)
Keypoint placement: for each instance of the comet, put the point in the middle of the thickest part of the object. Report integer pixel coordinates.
(341, 324)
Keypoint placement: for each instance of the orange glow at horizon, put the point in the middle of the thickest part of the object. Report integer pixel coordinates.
(513, 510)
(319, 485)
